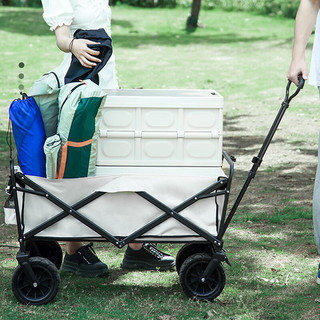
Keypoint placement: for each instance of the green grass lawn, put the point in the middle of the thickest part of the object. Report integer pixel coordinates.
(270, 244)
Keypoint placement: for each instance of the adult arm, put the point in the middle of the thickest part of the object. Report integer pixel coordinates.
(79, 47)
(59, 15)
(304, 24)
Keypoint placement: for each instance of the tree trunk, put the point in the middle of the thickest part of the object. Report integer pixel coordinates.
(6, 2)
(192, 21)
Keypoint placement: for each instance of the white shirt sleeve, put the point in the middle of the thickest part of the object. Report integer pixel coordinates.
(314, 76)
(57, 13)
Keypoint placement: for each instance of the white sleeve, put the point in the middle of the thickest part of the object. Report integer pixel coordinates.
(57, 13)
(314, 76)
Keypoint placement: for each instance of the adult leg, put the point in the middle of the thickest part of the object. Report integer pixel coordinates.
(316, 209)
(72, 247)
(146, 256)
(316, 205)
(83, 261)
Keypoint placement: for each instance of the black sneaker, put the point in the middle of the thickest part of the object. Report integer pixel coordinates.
(148, 258)
(84, 263)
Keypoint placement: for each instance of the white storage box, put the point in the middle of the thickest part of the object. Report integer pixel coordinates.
(160, 128)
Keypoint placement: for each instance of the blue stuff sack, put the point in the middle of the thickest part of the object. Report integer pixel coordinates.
(29, 135)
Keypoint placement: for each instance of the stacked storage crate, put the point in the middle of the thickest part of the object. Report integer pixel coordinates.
(161, 132)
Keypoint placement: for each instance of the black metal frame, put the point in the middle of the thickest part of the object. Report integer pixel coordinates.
(19, 182)
(221, 187)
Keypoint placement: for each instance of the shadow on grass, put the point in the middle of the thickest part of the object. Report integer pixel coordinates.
(274, 187)
(109, 288)
(259, 293)
(241, 143)
(246, 288)
(23, 21)
(170, 39)
(30, 22)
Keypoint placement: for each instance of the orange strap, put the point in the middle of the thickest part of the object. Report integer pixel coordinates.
(64, 153)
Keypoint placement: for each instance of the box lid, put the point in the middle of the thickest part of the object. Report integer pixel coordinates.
(163, 98)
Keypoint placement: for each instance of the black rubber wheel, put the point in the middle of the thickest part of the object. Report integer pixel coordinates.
(46, 249)
(190, 278)
(46, 286)
(189, 249)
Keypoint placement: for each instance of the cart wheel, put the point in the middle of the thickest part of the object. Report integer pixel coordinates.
(46, 249)
(189, 249)
(190, 278)
(41, 292)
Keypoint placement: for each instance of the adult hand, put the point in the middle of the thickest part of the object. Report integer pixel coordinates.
(297, 68)
(86, 56)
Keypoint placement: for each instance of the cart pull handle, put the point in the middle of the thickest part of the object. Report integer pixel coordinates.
(288, 98)
(258, 159)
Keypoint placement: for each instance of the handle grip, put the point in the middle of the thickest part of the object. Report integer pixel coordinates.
(301, 82)
(300, 86)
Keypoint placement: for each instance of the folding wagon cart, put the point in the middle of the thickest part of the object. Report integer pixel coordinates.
(158, 204)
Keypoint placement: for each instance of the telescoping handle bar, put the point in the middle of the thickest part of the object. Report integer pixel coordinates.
(258, 159)
(274, 127)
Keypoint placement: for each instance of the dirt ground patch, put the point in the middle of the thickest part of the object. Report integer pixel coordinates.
(288, 169)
